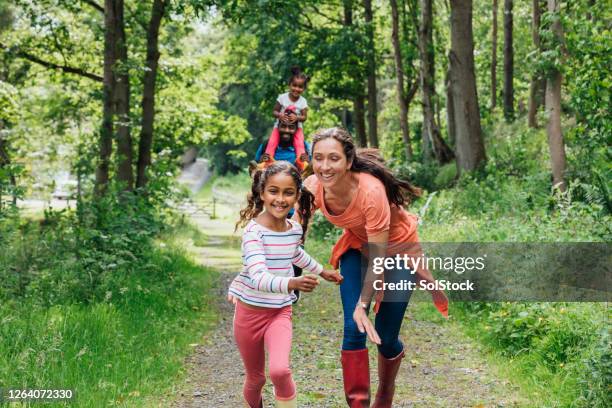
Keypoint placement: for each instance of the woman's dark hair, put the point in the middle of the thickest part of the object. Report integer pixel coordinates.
(367, 160)
(296, 73)
(254, 205)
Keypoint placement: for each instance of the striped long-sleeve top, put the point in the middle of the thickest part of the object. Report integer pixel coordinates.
(267, 259)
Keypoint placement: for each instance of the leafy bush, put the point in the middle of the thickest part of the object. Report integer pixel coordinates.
(567, 339)
(422, 175)
(595, 373)
(77, 257)
(446, 176)
(322, 230)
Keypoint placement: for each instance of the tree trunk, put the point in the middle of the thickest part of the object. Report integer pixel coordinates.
(494, 58)
(347, 119)
(553, 108)
(450, 111)
(371, 66)
(399, 73)
(5, 160)
(125, 173)
(105, 143)
(589, 15)
(358, 98)
(432, 139)
(469, 144)
(537, 87)
(359, 108)
(508, 62)
(148, 93)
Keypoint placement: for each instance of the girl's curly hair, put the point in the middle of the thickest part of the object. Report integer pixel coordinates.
(254, 205)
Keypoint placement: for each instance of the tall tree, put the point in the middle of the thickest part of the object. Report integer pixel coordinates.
(371, 59)
(148, 92)
(403, 97)
(469, 143)
(508, 62)
(125, 173)
(537, 87)
(553, 103)
(450, 111)
(359, 97)
(105, 144)
(432, 139)
(494, 57)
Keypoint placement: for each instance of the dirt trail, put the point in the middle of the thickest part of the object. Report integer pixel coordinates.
(443, 368)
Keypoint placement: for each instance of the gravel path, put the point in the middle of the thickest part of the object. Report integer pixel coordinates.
(442, 368)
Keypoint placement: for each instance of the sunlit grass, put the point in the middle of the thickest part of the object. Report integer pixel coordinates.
(118, 351)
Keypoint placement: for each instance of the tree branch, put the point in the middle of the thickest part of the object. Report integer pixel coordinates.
(320, 13)
(414, 87)
(51, 65)
(308, 25)
(95, 5)
(135, 15)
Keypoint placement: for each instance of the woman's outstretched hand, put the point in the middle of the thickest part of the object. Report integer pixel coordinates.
(332, 275)
(365, 325)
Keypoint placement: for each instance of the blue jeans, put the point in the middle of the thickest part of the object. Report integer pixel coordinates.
(389, 318)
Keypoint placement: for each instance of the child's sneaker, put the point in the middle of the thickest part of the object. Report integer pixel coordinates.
(301, 165)
(264, 164)
(252, 167)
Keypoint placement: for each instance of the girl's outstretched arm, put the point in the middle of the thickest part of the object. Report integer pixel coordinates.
(302, 260)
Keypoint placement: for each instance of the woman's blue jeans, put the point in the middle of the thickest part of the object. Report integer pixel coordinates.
(389, 318)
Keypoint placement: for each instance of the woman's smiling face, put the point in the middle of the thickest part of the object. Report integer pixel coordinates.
(279, 195)
(329, 162)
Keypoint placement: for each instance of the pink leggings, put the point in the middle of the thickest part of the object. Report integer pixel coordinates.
(298, 145)
(257, 331)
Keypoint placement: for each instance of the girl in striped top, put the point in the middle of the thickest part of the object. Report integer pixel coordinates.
(263, 291)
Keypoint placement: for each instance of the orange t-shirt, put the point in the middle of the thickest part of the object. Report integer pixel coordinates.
(370, 213)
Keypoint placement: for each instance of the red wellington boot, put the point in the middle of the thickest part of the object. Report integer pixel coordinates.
(356, 375)
(387, 371)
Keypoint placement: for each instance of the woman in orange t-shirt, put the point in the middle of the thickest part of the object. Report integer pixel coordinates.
(357, 192)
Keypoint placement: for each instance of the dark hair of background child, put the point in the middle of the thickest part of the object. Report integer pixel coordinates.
(296, 73)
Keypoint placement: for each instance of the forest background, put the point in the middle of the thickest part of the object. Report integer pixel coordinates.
(499, 110)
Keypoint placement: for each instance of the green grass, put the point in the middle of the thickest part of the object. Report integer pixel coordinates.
(115, 352)
(552, 369)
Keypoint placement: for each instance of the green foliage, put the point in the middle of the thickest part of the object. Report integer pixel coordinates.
(78, 257)
(589, 86)
(8, 103)
(561, 350)
(446, 175)
(420, 174)
(9, 171)
(125, 348)
(595, 378)
(564, 340)
(322, 230)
